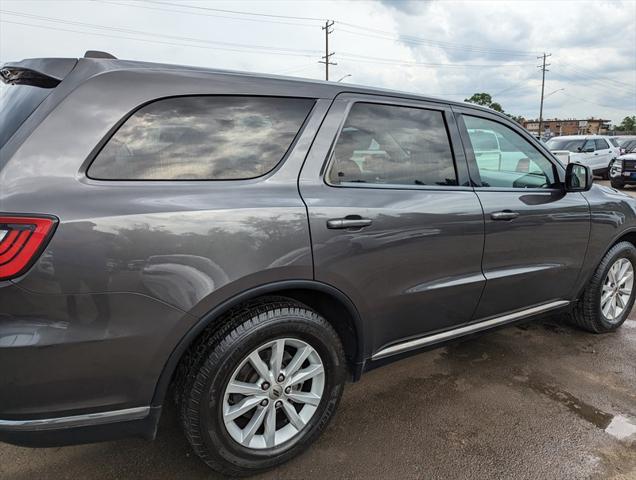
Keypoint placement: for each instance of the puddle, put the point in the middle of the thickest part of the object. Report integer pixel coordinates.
(619, 426)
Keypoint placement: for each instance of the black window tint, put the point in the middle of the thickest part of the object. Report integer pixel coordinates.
(384, 144)
(601, 144)
(510, 161)
(202, 138)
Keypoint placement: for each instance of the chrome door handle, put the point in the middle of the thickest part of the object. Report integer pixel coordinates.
(348, 222)
(505, 215)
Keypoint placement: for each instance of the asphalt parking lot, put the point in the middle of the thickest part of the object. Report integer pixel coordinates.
(535, 401)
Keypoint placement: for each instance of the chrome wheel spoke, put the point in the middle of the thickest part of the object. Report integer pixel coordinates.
(273, 393)
(259, 365)
(244, 388)
(304, 397)
(297, 361)
(293, 416)
(276, 362)
(254, 424)
(306, 373)
(270, 428)
(241, 408)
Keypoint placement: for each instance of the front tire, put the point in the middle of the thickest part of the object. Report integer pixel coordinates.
(609, 297)
(617, 184)
(261, 390)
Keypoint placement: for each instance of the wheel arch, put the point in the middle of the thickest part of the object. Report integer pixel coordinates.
(336, 307)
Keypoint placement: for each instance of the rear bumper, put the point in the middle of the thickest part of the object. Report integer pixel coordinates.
(82, 368)
(78, 429)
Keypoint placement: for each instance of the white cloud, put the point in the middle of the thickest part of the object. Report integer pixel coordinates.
(593, 44)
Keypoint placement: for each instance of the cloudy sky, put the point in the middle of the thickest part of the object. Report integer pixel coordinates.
(449, 49)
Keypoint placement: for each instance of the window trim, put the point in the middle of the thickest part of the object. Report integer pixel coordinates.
(92, 156)
(446, 117)
(473, 169)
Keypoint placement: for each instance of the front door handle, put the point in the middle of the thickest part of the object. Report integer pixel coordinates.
(348, 222)
(505, 215)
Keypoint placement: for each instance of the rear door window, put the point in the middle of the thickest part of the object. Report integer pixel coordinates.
(393, 145)
(601, 144)
(202, 138)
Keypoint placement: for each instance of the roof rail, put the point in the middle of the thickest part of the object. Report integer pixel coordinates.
(98, 54)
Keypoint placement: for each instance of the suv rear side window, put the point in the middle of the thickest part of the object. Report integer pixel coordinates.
(601, 144)
(202, 138)
(393, 145)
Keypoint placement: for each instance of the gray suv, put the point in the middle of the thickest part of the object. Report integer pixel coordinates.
(245, 244)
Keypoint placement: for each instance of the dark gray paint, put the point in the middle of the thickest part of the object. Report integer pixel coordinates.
(134, 266)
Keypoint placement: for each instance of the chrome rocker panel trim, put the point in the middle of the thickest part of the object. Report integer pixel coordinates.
(472, 328)
(85, 420)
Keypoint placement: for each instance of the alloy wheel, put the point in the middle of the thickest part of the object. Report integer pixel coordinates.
(617, 289)
(273, 393)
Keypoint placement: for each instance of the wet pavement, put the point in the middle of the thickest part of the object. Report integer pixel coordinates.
(536, 401)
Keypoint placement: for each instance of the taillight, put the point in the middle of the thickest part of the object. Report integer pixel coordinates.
(21, 241)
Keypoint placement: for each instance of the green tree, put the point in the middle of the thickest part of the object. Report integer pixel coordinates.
(484, 99)
(628, 124)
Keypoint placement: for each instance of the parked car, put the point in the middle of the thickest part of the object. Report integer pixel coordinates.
(622, 140)
(596, 151)
(623, 170)
(251, 242)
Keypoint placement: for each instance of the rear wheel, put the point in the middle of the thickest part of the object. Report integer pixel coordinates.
(609, 297)
(260, 391)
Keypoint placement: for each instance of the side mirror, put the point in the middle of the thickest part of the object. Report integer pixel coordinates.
(578, 178)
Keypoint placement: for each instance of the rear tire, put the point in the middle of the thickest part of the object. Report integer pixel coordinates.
(609, 297)
(296, 413)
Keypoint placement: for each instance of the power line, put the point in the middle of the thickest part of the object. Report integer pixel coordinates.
(204, 14)
(437, 44)
(383, 34)
(594, 103)
(120, 37)
(236, 11)
(388, 61)
(268, 49)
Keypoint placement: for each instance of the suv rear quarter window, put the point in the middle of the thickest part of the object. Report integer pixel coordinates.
(202, 138)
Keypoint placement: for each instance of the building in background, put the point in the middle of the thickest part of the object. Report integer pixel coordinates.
(557, 127)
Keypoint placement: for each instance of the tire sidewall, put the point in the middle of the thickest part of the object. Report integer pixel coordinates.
(300, 325)
(623, 251)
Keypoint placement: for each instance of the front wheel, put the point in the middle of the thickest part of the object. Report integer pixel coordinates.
(609, 297)
(617, 184)
(262, 389)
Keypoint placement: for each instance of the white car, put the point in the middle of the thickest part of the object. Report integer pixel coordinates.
(595, 151)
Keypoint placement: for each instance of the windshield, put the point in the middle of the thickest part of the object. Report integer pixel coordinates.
(564, 144)
(629, 146)
(483, 140)
(17, 102)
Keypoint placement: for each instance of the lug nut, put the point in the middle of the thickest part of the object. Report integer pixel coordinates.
(279, 404)
(288, 390)
(281, 378)
(265, 385)
(264, 402)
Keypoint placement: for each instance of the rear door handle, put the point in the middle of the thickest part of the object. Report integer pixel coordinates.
(505, 215)
(348, 222)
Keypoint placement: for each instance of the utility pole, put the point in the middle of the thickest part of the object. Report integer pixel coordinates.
(326, 28)
(543, 70)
